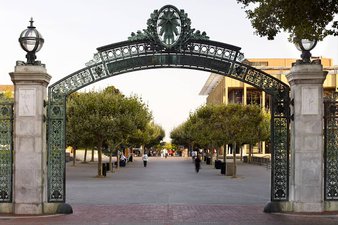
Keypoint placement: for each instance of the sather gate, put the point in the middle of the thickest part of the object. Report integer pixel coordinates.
(168, 42)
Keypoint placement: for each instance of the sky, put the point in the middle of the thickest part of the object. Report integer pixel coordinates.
(73, 29)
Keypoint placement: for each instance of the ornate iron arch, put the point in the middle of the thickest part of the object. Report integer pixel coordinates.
(168, 42)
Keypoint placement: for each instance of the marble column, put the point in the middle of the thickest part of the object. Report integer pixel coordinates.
(307, 147)
(30, 154)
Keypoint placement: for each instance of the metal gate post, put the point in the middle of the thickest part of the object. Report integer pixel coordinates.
(6, 157)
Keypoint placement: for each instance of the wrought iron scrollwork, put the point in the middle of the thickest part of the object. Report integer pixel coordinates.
(169, 28)
(280, 119)
(6, 152)
(181, 48)
(331, 149)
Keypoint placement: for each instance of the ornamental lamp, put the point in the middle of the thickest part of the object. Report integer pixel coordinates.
(31, 41)
(305, 46)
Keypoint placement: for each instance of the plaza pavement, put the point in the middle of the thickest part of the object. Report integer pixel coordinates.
(168, 192)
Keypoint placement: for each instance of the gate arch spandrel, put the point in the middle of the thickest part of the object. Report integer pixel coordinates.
(160, 46)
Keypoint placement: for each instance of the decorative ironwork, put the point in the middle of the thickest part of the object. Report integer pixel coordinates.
(280, 119)
(165, 48)
(331, 149)
(6, 152)
(169, 28)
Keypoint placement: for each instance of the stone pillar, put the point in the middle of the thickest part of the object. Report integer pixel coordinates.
(307, 147)
(30, 154)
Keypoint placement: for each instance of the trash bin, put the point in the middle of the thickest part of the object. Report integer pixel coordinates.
(230, 169)
(104, 169)
(223, 168)
(218, 164)
(131, 158)
(208, 161)
(107, 166)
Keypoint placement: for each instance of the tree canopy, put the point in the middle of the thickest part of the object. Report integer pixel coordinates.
(6, 96)
(216, 125)
(302, 19)
(106, 117)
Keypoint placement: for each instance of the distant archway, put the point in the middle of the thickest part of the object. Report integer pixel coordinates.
(168, 42)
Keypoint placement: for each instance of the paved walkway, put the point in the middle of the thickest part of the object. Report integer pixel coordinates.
(169, 192)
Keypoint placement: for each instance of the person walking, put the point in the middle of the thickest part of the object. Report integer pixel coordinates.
(145, 159)
(197, 163)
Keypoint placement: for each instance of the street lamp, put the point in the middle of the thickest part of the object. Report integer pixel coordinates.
(305, 46)
(31, 41)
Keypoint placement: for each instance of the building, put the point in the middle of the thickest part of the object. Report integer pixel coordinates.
(7, 90)
(225, 90)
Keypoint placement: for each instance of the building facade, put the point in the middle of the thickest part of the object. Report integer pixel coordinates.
(225, 90)
(7, 91)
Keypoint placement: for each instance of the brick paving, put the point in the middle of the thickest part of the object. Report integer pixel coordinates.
(133, 214)
(168, 192)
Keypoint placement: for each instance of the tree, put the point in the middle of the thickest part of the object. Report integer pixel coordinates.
(185, 133)
(75, 135)
(305, 19)
(150, 136)
(6, 96)
(156, 134)
(108, 116)
(217, 125)
(257, 127)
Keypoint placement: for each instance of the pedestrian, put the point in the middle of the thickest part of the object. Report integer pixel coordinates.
(145, 159)
(193, 156)
(197, 163)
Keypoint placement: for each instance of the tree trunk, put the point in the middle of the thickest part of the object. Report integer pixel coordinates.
(93, 151)
(74, 156)
(110, 163)
(234, 160)
(99, 161)
(241, 151)
(117, 160)
(250, 153)
(224, 157)
(85, 156)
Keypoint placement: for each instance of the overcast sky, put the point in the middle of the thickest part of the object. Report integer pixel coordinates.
(73, 29)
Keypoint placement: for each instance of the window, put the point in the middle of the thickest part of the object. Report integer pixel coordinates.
(236, 96)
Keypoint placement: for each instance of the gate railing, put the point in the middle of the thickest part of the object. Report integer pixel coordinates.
(331, 149)
(6, 152)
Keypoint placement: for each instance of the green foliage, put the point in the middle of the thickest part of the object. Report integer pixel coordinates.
(305, 19)
(217, 125)
(6, 96)
(150, 136)
(104, 119)
(95, 118)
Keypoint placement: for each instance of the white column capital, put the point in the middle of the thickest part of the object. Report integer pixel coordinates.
(306, 74)
(30, 74)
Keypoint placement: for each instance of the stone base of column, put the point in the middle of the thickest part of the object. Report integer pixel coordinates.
(6, 208)
(28, 209)
(331, 205)
(308, 207)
